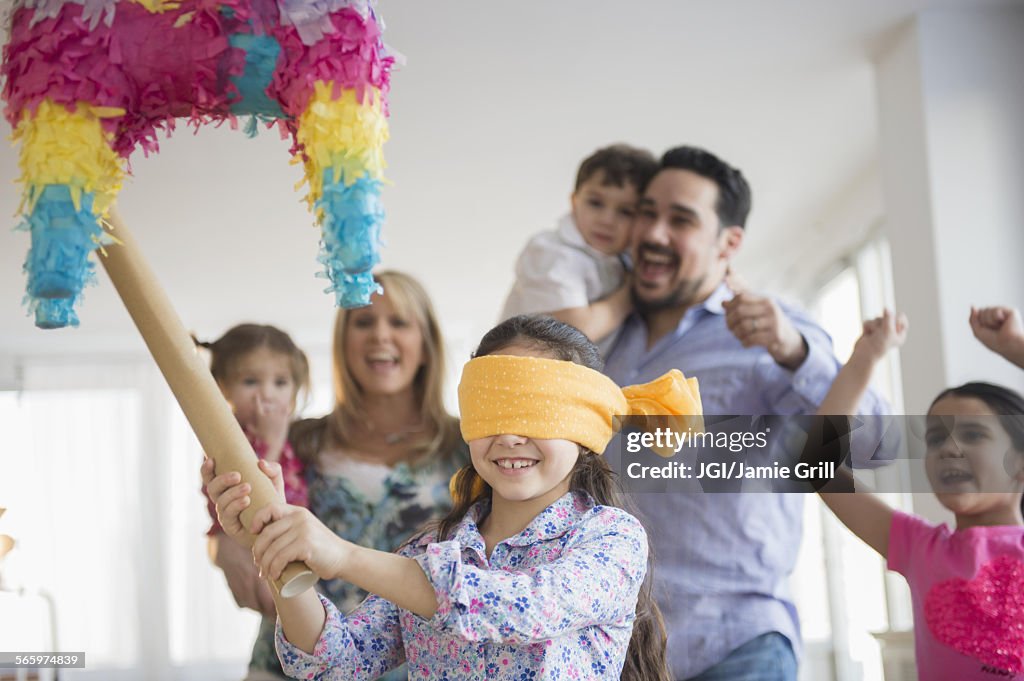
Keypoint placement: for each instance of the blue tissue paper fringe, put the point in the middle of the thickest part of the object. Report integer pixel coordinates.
(54, 313)
(58, 264)
(349, 248)
(261, 52)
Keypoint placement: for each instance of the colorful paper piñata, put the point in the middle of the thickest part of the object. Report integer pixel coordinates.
(90, 81)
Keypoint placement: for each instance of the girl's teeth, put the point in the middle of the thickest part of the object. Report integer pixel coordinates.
(505, 463)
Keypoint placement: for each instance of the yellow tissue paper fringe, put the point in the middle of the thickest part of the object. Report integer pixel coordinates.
(343, 134)
(158, 5)
(59, 146)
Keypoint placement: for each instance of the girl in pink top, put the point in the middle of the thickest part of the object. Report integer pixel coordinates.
(966, 583)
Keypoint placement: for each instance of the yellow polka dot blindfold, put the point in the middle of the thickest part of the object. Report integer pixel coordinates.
(555, 399)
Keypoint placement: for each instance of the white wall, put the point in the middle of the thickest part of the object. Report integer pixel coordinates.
(952, 150)
(975, 102)
(952, 154)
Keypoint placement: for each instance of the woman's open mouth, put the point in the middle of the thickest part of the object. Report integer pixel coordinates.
(382, 361)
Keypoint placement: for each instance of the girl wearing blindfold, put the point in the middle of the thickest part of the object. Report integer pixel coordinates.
(537, 573)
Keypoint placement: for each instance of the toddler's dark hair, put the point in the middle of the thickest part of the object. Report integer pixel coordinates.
(621, 164)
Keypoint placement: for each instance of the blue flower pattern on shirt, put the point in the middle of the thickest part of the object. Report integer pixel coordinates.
(416, 495)
(557, 601)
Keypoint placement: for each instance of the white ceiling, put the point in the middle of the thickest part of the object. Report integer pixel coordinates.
(496, 106)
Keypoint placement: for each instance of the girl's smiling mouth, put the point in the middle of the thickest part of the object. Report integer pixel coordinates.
(513, 465)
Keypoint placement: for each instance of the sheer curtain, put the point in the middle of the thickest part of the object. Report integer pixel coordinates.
(100, 478)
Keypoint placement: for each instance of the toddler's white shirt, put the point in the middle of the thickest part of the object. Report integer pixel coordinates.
(558, 270)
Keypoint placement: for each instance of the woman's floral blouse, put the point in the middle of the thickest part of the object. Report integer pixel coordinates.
(556, 601)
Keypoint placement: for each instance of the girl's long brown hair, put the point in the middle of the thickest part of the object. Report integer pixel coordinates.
(646, 657)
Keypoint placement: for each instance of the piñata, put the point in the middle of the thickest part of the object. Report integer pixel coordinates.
(90, 81)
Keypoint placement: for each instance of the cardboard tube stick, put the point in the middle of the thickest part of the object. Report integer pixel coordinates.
(191, 382)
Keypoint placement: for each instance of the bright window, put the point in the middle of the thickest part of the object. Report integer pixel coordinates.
(100, 476)
(861, 597)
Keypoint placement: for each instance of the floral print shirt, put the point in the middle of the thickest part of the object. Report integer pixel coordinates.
(415, 494)
(556, 601)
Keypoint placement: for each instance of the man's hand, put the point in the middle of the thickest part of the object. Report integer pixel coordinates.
(758, 321)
